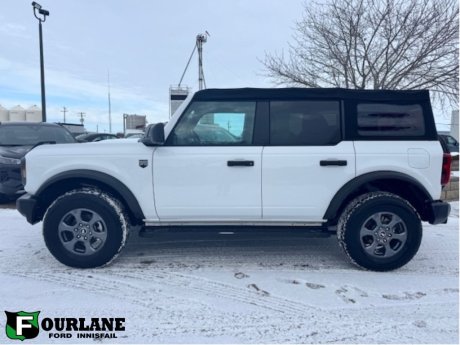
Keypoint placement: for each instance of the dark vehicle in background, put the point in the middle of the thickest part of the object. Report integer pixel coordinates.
(214, 134)
(16, 139)
(134, 136)
(450, 142)
(92, 137)
(75, 129)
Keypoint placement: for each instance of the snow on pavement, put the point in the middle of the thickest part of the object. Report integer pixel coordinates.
(210, 288)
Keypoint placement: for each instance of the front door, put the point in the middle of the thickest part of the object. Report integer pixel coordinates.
(209, 168)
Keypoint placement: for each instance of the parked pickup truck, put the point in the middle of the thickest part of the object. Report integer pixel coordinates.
(364, 164)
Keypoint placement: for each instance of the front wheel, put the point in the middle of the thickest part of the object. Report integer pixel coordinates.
(85, 228)
(380, 231)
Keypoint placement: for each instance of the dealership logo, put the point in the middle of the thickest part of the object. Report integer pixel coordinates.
(21, 325)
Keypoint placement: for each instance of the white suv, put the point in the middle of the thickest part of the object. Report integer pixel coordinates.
(364, 164)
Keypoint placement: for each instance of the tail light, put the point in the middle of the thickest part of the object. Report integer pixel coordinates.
(446, 162)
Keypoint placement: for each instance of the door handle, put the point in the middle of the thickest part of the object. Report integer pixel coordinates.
(330, 162)
(241, 163)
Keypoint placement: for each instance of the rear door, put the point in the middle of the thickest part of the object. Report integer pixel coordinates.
(306, 162)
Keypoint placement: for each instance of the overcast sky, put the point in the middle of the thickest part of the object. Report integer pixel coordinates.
(145, 45)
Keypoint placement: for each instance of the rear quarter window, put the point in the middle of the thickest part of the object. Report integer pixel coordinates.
(390, 120)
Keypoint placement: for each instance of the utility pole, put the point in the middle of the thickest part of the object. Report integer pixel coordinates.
(64, 110)
(110, 106)
(38, 8)
(82, 115)
(125, 116)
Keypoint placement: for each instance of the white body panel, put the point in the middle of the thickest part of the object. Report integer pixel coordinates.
(421, 160)
(117, 158)
(195, 183)
(296, 187)
(187, 184)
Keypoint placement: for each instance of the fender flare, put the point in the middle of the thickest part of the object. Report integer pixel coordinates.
(129, 200)
(361, 180)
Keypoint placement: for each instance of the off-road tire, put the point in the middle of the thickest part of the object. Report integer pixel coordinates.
(355, 216)
(106, 207)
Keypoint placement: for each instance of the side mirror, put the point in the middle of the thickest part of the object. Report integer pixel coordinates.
(155, 135)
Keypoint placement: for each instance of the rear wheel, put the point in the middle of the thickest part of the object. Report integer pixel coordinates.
(380, 231)
(85, 228)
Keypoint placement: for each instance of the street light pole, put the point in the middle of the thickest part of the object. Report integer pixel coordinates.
(44, 13)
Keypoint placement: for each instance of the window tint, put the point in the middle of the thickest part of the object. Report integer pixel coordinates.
(377, 119)
(304, 123)
(216, 123)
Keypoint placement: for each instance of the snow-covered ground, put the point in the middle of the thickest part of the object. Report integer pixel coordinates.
(209, 288)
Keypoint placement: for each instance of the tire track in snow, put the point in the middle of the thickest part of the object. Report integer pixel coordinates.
(222, 290)
(93, 284)
(105, 285)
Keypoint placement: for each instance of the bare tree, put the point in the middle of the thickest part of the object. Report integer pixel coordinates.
(373, 44)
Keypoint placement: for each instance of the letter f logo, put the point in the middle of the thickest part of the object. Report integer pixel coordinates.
(21, 325)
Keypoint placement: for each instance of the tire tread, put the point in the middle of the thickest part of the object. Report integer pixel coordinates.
(352, 207)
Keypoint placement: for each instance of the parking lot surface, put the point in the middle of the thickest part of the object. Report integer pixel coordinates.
(242, 288)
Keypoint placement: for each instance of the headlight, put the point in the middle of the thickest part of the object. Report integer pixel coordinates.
(5, 160)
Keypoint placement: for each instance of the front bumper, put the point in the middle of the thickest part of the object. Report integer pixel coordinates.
(438, 212)
(10, 180)
(27, 206)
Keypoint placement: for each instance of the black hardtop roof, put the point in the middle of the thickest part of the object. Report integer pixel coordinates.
(310, 93)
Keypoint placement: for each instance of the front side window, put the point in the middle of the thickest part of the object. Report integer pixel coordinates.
(304, 123)
(216, 123)
(379, 119)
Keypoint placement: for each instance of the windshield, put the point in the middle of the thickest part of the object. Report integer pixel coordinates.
(25, 135)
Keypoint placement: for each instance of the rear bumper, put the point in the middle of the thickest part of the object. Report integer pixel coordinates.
(27, 206)
(438, 212)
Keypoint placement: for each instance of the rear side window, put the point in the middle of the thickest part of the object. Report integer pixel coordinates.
(304, 123)
(379, 119)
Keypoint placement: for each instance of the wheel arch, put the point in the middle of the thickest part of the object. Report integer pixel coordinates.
(68, 180)
(397, 183)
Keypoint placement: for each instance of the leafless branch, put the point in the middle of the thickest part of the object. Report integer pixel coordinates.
(373, 44)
